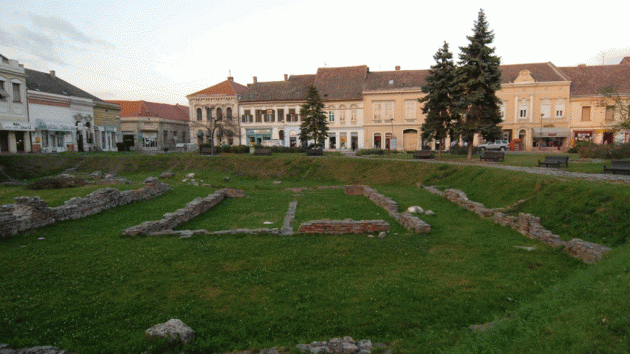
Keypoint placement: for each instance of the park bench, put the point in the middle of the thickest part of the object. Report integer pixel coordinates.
(554, 161)
(495, 156)
(314, 152)
(207, 150)
(262, 152)
(424, 154)
(615, 166)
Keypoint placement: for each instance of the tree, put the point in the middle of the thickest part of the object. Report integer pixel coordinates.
(314, 126)
(439, 103)
(478, 79)
(610, 98)
(218, 126)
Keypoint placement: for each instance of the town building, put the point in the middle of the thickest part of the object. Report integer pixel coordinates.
(15, 129)
(150, 126)
(63, 116)
(216, 109)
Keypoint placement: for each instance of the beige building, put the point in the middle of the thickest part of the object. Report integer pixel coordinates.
(106, 125)
(216, 106)
(392, 113)
(15, 128)
(150, 126)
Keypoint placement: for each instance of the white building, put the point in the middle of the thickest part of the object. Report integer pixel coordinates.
(15, 129)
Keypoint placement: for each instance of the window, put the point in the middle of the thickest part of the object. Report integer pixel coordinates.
(199, 114)
(410, 109)
(342, 116)
(545, 109)
(377, 111)
(165, 136)
(17, 96)
(522, 112)
(331, 116)
(389, 110)
(502, 111)
(586, 113)
(270, 116)
(3, 93)
(610, 114)
(353, 116)
(259, 114)
(208, 113)
(103, 141)
(280, 115)
(292, 116)
(247, 116)
(219, 114)
(559, 108)
(228, 113)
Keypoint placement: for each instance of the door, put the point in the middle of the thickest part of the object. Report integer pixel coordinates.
(410, 140)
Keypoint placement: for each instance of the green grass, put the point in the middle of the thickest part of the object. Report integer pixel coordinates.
(87, 289)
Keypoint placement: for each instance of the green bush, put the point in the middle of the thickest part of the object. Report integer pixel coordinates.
(370, 152)
(612, 151)
(462, 150)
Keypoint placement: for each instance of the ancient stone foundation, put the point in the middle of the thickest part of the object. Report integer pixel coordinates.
(343, 227)
(32, 212)
(191, 210)
(406, 219)
(526, 224)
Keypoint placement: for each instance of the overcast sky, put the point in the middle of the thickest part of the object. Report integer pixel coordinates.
(161, 51)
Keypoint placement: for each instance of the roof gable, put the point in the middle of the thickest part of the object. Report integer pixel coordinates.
(227, 87)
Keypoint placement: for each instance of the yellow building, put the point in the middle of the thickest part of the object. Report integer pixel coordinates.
(106, 125)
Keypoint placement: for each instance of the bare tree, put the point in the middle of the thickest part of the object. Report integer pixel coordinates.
(611, 98)
(218, 125)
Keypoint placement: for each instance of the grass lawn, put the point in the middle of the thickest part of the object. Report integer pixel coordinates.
(85, 288)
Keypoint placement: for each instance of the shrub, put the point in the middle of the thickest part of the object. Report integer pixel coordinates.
(370, 152)
(613, 151)
(462, 150)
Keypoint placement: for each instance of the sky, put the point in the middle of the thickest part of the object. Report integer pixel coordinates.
(161, 51)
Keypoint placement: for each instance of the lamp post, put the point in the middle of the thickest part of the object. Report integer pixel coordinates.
(540, 137)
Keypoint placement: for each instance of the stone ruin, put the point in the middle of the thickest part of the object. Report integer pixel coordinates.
(526, 224)
(32, 212)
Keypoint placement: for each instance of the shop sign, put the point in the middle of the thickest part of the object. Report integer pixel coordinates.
(16, 126)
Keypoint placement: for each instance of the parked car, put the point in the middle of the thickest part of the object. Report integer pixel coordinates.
(500, 145)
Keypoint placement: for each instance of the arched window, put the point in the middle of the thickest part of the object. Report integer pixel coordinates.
(281, 135)
(228, 113)
(219, 114)
(198, 113)
(208, 113)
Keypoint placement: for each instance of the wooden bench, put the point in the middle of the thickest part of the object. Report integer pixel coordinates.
(262, 152)
(314, 152)
(495, 156)
(615, 166)
(554, 161)
(424, 154)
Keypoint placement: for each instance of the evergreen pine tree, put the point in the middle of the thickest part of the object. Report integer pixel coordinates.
(478, 78)
(439, 103)
(314, 126)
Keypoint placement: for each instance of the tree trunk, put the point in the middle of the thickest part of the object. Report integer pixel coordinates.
(470, 150)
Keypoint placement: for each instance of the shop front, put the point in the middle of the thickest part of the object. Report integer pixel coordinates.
(54, 136)
(551, 138)
(257, 136)
(15, 137)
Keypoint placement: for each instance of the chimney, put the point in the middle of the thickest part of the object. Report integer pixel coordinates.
(52, 73)
(397, 67)
(230, 78)
(286, 77)
(255, 79)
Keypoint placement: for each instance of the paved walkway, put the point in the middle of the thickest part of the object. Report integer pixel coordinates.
(537, 170)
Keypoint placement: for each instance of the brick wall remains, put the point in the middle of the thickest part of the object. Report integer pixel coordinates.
(526, 224)
(409, 221)
(343, 227)
(32, 212)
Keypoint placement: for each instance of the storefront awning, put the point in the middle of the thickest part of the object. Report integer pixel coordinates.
(24, 127)
(551, 133)
(106, 128)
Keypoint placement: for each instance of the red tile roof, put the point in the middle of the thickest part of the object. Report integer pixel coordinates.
(227, 87)
(152, 109)
(589, 80)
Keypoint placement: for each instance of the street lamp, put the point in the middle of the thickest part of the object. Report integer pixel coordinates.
(540, 137)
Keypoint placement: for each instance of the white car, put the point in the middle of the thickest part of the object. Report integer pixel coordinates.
(501, 145)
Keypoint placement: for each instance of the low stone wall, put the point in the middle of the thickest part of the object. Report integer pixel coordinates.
(32, 212)
(343, 227)
(528, 225)
(191, 210)
(409, 221)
